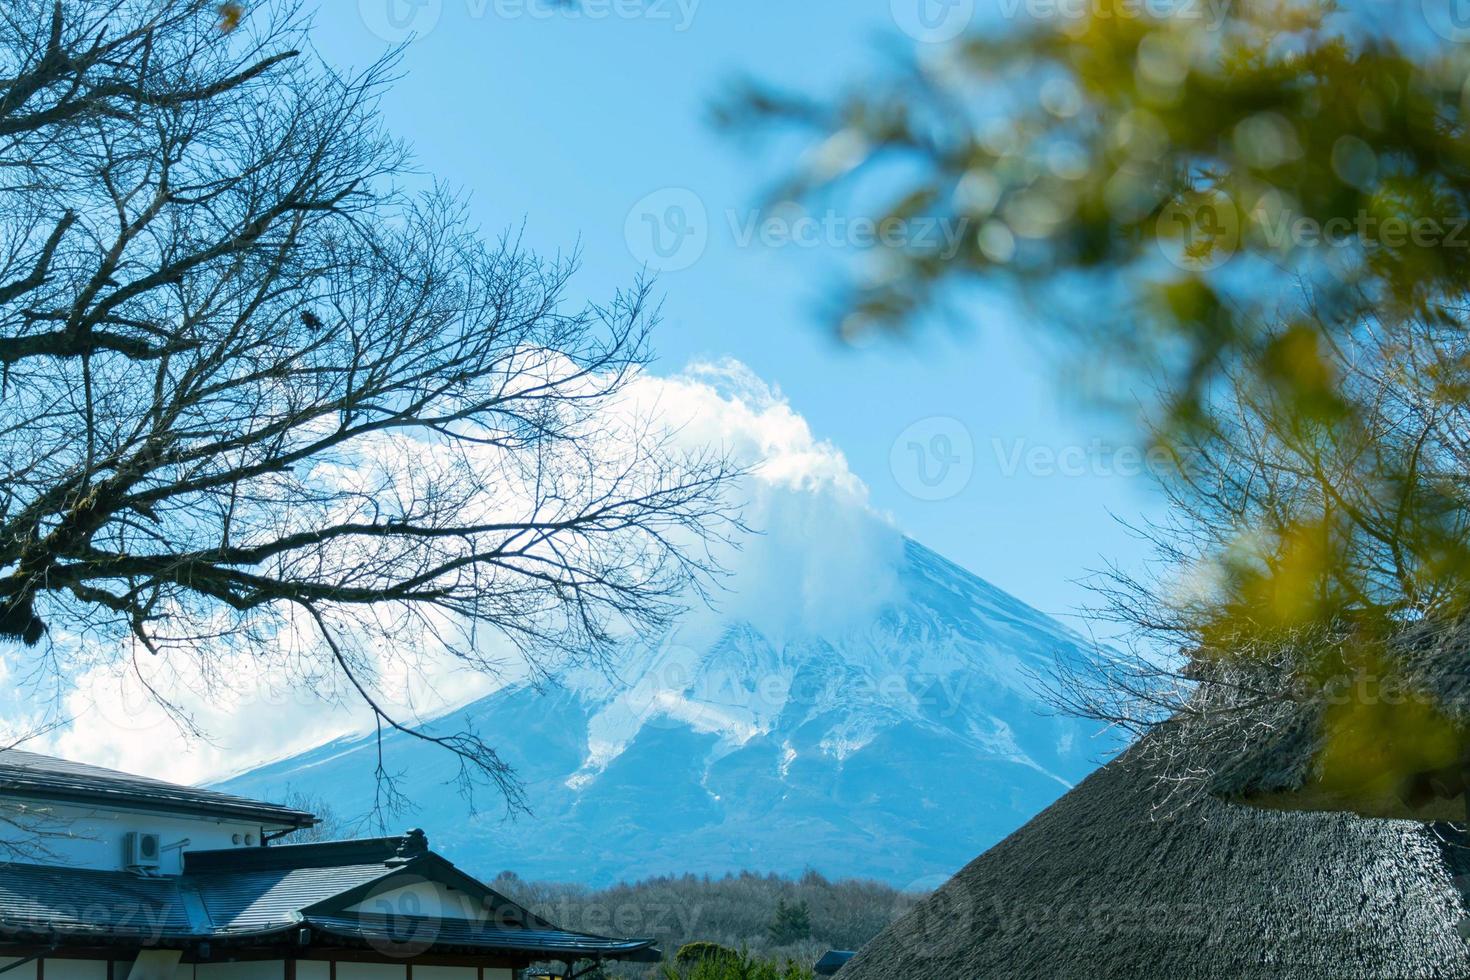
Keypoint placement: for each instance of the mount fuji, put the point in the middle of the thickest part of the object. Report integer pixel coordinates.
(895, 741)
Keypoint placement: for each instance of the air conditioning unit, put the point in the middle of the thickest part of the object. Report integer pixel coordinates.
(141, 852)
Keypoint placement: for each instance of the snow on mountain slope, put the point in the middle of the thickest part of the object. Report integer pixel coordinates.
(896, 743)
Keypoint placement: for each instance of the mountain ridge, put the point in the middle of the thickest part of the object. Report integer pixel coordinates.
(895, 746)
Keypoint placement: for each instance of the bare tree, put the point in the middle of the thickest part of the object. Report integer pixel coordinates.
(1302, 549)
(29, 828)
(258, 396)
(329, 825)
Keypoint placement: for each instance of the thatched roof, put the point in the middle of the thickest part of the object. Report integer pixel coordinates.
(1388, 738)
(1111, 881)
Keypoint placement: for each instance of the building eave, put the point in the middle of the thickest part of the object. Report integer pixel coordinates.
(295, 899)
(33, 777)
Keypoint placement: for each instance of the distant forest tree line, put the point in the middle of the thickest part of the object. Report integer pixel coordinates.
(751, 914)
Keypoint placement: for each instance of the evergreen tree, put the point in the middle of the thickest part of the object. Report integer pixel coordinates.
(792, 924)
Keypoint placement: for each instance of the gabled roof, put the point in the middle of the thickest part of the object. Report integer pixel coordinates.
(497, 921)
(269, 894)
(28, 775)
(1114, 881)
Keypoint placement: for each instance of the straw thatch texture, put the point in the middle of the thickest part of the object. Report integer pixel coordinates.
(1112, 882)
(1273, 755)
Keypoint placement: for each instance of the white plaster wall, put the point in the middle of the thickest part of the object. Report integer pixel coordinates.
(421, 897)
(76, 969)
(371, 971)
(446, 973)
(68, 969)
(250, 970)
(79, 837)
(27, 972)
(387, 971)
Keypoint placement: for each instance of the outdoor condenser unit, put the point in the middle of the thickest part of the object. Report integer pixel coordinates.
(141, 852)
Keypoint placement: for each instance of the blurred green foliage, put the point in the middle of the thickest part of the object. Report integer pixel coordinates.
(732, 912)
(1266, 219)
(741, 966)
(697, 952)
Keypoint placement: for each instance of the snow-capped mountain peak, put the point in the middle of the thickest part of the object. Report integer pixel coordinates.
(893, 744)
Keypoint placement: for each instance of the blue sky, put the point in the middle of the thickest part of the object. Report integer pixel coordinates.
(586, 127)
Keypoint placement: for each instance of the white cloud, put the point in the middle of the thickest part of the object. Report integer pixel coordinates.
(821, 557)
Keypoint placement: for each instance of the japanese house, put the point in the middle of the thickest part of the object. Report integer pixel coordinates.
(109, 876)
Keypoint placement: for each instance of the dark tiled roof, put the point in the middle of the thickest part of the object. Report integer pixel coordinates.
(49, 901)
(253, 894)
(321, 854)
(414, 931)
(32, 776)
(247, 900)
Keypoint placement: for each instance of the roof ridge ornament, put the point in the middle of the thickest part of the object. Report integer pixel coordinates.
(413, 844)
